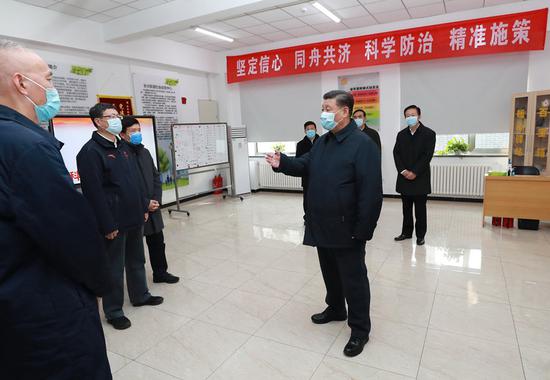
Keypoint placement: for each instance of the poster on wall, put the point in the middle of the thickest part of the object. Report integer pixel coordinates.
(158, 96)
(123, 104)
(365, 89)
(76, 85)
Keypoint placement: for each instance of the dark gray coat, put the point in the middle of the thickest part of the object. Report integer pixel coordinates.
(152, 185)
(345, 188)
(414, 153)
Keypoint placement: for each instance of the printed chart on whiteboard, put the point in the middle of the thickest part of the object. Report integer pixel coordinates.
(198, 145)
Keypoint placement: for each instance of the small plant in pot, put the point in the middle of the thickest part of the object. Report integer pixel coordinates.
(455, 146)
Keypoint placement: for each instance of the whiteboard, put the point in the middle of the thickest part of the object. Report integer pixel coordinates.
(201, 144)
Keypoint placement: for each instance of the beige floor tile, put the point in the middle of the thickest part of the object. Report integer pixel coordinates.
(276, 283)
(336, 369)
(137, 371)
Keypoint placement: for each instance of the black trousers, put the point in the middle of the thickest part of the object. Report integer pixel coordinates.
(421, 225)
(305, 197)
(157, 253)
(346, 279)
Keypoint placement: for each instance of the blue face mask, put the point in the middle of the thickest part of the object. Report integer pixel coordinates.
(411, 121)
(136, 138)
(45, 112)
(115, 126)
(310, 133)
(359, 122)
(327, 120)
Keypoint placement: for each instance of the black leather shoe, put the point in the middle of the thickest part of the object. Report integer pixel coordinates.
(151, 301)
(120, 323)
(166, 278)
(420, 242)
(355, 346)
(402, 237)
(327, 316)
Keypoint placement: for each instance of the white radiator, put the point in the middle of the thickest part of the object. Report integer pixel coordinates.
(458, 180)
(270, 180)
(447, 180)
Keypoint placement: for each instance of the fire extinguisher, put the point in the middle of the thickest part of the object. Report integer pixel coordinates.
(217, 184)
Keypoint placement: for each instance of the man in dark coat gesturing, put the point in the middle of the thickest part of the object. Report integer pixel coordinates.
(150, 176)
(52, 260)
(413, 151)
(343, 206)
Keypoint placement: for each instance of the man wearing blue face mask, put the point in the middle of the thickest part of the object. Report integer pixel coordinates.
(343, 206)
(360, 117)
(110, 181)
(303, 147)
(52, 259)
(131, 132)
(413, 151)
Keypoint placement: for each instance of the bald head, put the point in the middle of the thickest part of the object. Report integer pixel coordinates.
(22, 72)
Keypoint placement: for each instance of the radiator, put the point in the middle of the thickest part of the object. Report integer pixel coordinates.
(447, 180)
(270, 180)
(461, 181)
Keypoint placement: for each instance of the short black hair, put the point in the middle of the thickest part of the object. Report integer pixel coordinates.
(360, 110)
(343, 98)
(127, 122)
(98, 110)
(309, 122)
(412, 107)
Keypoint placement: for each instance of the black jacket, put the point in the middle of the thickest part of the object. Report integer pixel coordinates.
(345, 183)
(373, 134)
(110, 181)
(152, 185)
(52, 261)
(414, 153)
(303, 147)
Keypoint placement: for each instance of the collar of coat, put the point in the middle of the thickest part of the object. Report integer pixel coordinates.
(10, 114)
(106, 143)
(419, 129)
(344, 133)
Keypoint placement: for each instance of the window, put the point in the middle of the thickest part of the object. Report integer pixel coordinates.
(479, 143)
(288, 147)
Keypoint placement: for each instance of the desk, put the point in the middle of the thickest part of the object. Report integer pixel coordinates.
(520, 196)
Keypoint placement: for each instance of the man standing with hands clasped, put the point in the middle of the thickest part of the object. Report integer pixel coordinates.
(412, 153)
(110, 181)
(343, 206)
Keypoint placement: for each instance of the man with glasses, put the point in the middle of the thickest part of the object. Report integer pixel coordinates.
(110, 182)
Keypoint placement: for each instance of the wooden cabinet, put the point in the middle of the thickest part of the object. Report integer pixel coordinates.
(529, 142)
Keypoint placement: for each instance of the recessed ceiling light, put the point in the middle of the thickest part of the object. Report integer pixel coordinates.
(326, 12)
(215, 35)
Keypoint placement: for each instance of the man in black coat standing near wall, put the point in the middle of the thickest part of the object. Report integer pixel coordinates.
(343, 207)
(413, 151)
(360, 117)
(131, 132)
(303, 147)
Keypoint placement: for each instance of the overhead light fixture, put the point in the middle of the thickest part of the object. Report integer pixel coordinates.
(215, 35)
(326, 12)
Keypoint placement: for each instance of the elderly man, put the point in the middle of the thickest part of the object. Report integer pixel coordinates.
(52, 262)
(343, 206)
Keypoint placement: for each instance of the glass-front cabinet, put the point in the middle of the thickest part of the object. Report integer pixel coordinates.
(529, 134)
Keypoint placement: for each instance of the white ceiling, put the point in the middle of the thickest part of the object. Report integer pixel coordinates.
(273, 24)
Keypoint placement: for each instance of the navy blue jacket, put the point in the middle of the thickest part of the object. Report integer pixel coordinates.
(302, 147)
(110, 181)
(52, 262)
(345, 187)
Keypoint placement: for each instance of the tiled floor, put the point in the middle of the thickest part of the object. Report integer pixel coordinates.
(472, 303)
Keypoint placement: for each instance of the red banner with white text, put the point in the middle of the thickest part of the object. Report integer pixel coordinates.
(499, 34)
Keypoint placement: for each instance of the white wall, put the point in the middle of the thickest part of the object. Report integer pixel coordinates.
(539, 68)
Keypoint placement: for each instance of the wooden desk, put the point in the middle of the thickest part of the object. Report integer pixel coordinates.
(520, 196)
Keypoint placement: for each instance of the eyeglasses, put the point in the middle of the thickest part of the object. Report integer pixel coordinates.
(112, 117)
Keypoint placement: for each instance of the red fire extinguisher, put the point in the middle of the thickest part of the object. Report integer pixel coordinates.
(217, 184)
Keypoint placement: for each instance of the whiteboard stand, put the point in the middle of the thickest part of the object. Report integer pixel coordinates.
(175, 174)
(188, 141)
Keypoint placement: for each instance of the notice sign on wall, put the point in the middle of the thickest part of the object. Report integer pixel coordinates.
(76, 86)
(365, 89)
(499, 34)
